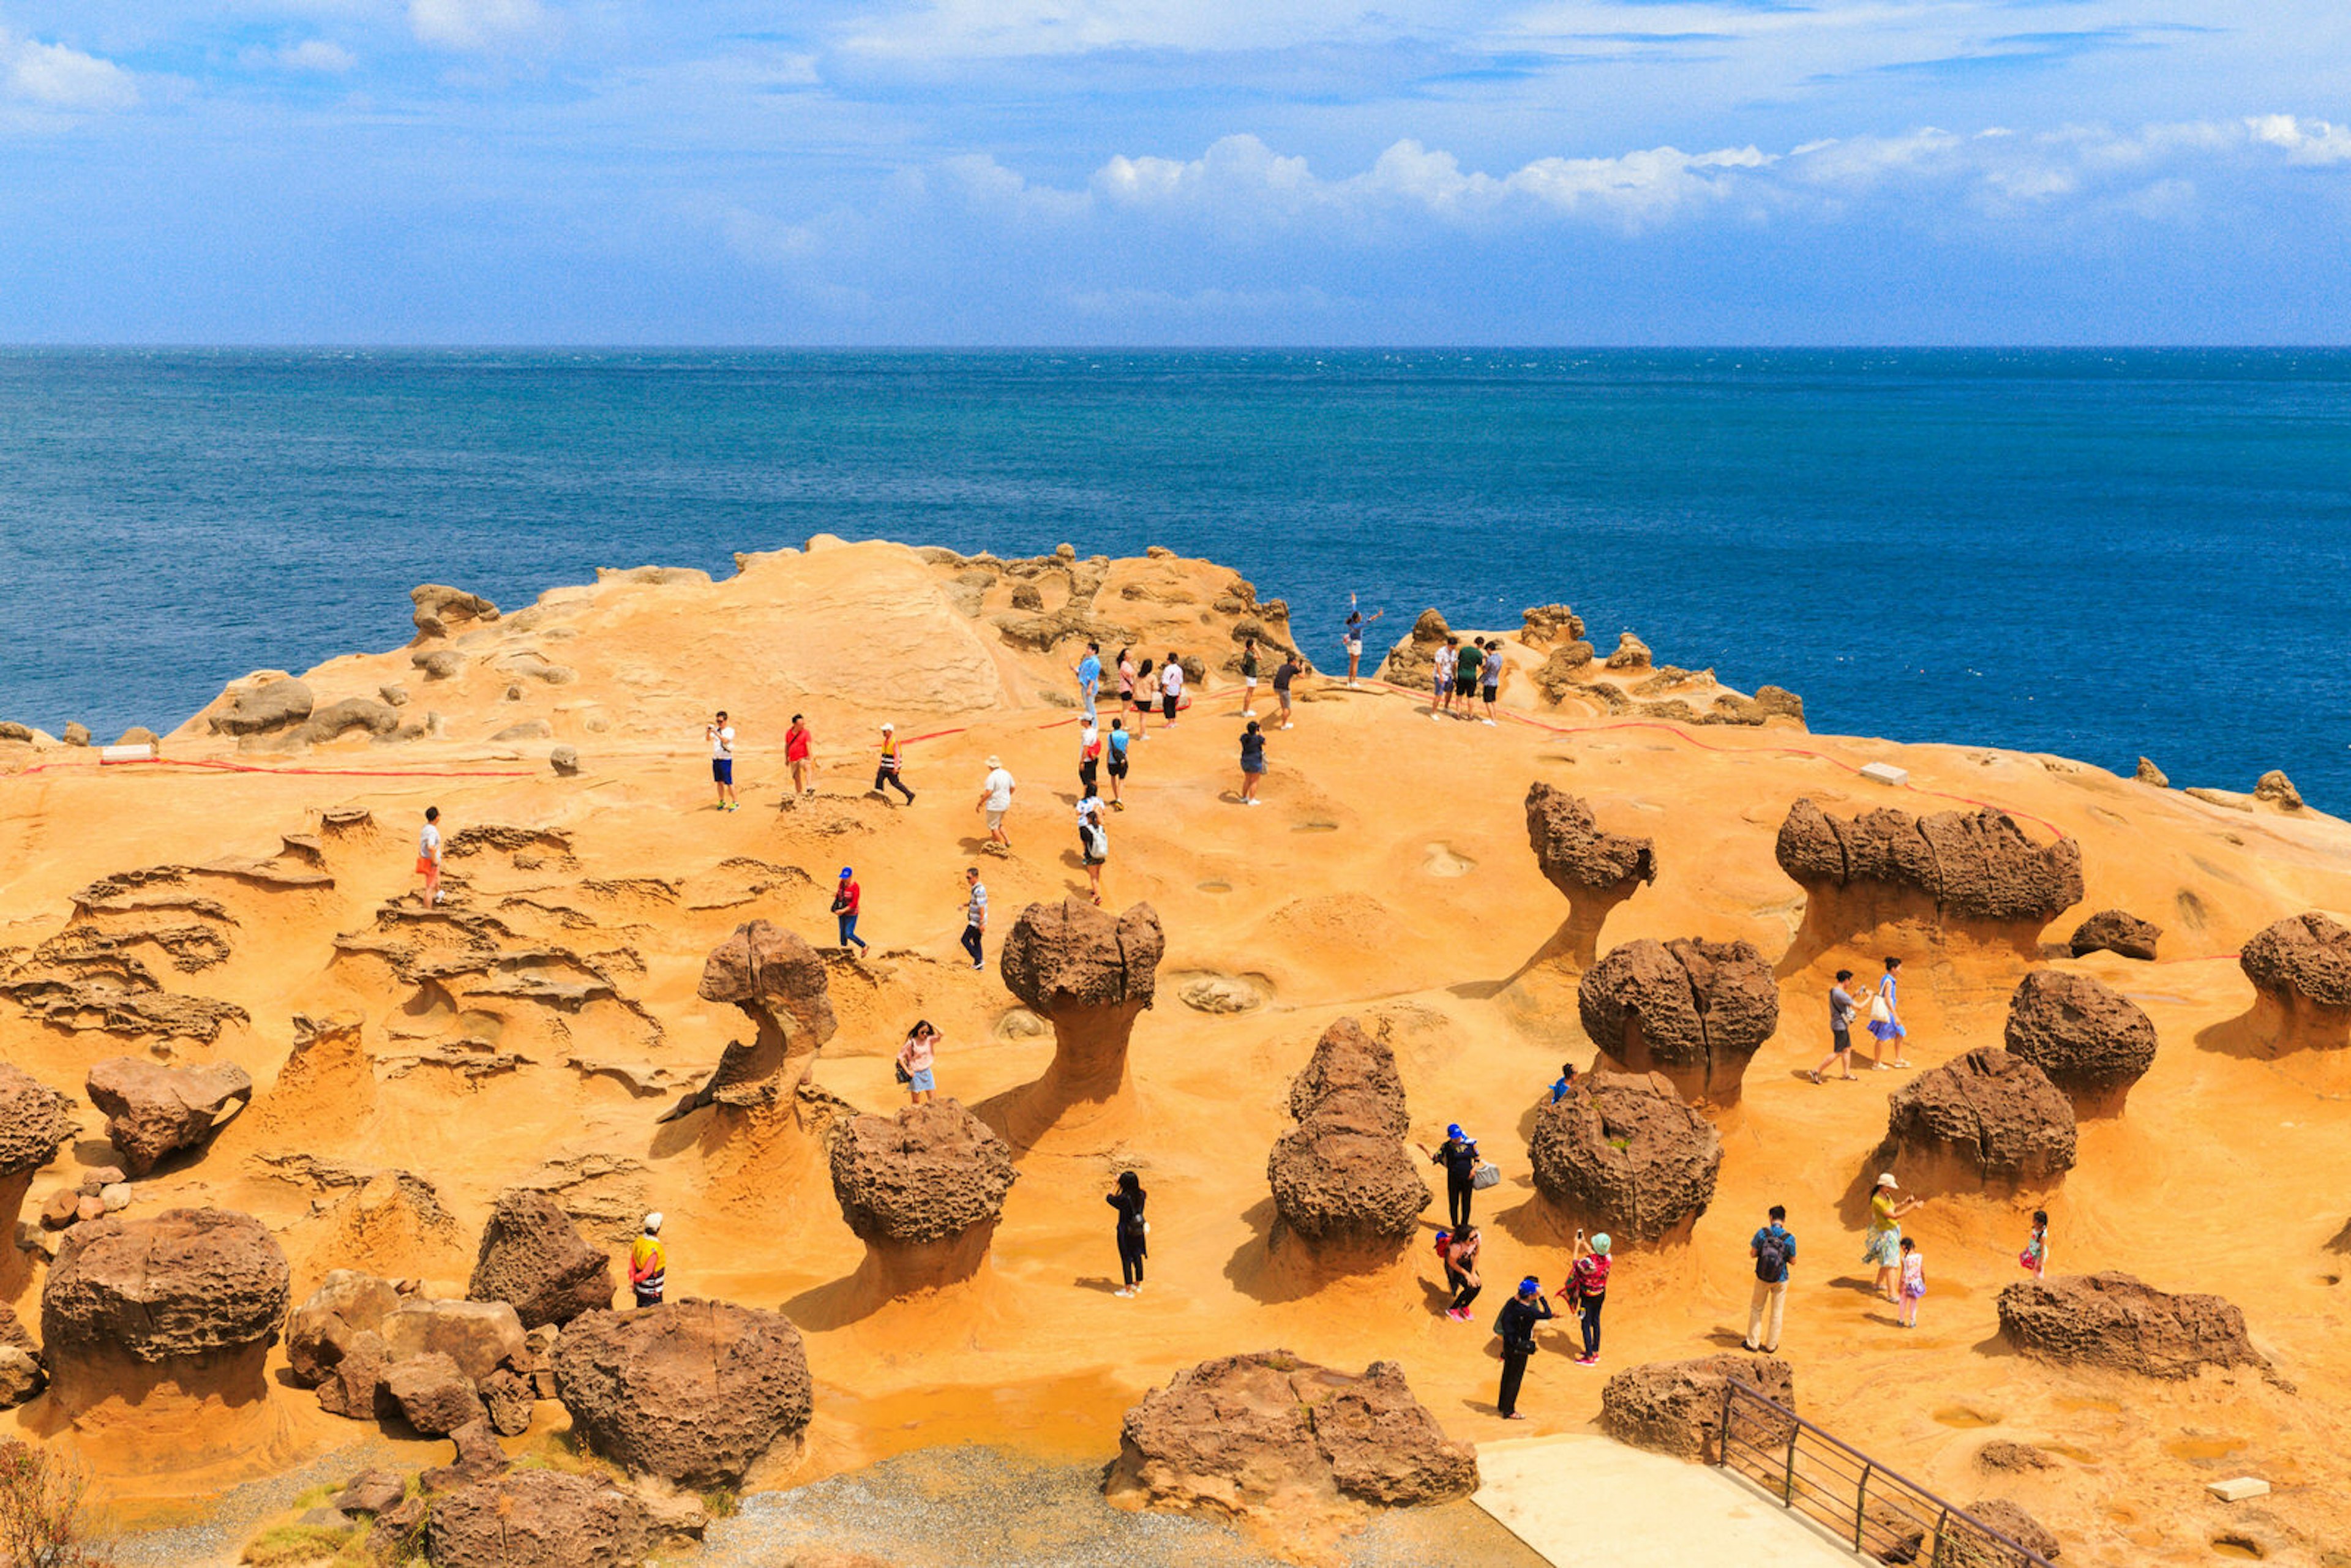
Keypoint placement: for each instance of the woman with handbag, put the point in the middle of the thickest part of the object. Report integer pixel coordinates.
(1885, 1021)
(1134, 1231)
(914, 1062)
(1458, 1156)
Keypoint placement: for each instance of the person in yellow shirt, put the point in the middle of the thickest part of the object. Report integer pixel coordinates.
(649, 1263)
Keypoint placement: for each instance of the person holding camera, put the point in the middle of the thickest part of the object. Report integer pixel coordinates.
(1516, 1325)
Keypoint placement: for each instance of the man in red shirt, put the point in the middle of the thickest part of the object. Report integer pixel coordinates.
(797, 741)
(845, 900)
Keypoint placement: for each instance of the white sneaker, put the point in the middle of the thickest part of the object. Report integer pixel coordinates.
(1123, 1294)
(1489, 722)
(1434, 714)
(1290, 726)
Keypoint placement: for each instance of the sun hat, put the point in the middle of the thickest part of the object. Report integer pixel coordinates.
(1886, 1178)
(1601, 1244)
(653, 1222)
(994, 761)
(888, 726)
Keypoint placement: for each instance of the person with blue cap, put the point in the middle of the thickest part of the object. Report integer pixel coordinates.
(1587, 1290)
(1516, 1325)
(1458, 1156)
(846, 898)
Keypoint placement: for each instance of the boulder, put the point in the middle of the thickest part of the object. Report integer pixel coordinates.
(346, 1304)
(2301, 962)
(477, 1336)
(565, 761)
(370, 1492)
(262, 708)
(1983, 1121)
(21, 1377)
(2148, 773)
(511, 1401)
(693, 1392)
(1355, 1075)
(1971, 865)
(153, 1111)
(22, 733)
(1694, 1010)
(2278, 789)
(1267, 1436)
(782, 984)
(441, 611)
(355, 1387)
(929, 1174)
(534, 1258)
(537, 1519)
(1412, 661)
(1623, 1154)
(433, 1395)
(2118, 1322)
(339, 718)
(2116, 931)
(1542, 625)
(1338, 1187)
(36, 1122)
(2093, 1043)
(526, 729)
(1964, 1551)
(1563, 669)
(2000, 1454)
(1631, 654)
(1074, 955)
(1676, 1406)
(199, 1292)
(1574, 855)
(76, 733)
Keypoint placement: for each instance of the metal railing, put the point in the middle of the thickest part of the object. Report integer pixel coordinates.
(1882, 1514)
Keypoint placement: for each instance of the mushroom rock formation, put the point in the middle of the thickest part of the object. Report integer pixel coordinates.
(346, 1304)
(1272, 1441)
(2116, 931)
(1353, 1075)
(36, 1122)
(694, 1391)
(2093, 1044)
(2301, 967)
(2278, 789)
(1413, 659)
(1090, 974)
(2118, 1322)
(1623, 1153)
(782, 984)
(922, 1189)
(1984, 1121)
(153, 1111)
(22, 1375)
(1596, 871)
(1691, 1009)
(1351, 1196)
(1676, 1406)
(190, 1297)
(534, 1258)
(1962, 868)
(537, 1519)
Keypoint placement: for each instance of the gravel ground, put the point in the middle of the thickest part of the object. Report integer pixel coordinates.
(231, 1518)
(990, 1508)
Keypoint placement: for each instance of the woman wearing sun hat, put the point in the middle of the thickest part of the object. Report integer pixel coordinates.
(1884, 1246)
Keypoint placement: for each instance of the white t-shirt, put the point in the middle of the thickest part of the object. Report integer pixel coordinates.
(428, 842)
(998, 785)
(722, 743)
(1171, 679)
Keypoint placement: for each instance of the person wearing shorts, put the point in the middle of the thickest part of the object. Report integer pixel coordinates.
(1440, 676)
(995, 799)
(916, 1060)
(1248, 677)
(1489, 678)
(1252, 763)
(1171, 689)
(428, 855)
(1352, 637)
(1118, 741)
(1842, 1008)
(1090, 752)
(1093, 842)
(1465, 676)
(1286, 671)
(722, 761)
(798, 742)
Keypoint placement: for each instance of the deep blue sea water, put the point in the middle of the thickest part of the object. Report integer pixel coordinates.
(2096, 553)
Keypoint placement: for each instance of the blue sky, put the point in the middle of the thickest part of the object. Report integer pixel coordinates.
(951, 172)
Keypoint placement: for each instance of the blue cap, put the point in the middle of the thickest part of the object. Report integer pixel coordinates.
(844, 871)
(1529, 1284)
(1454, 1131)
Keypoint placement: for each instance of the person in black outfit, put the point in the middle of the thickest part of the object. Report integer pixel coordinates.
(1517, 1324)
(1458, 1156)
(1131, 1230)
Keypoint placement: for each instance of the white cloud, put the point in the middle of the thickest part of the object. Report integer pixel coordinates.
(2304, 140)
(476, 25)
(51, 76)
(317, 55)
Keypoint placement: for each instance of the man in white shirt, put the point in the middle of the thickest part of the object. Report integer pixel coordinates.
(996, 798)
(1171, 689)
(722, 761)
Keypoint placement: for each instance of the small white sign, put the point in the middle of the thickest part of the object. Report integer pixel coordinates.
(1884, 773)
(2238, 1490)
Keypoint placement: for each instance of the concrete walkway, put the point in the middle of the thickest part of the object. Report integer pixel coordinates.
(1582, 1501)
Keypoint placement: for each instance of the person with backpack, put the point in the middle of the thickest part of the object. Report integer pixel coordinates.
(1119, 738)
(1093, 842)
(1457, 1250)
(1587, 1290)
(1773, 1248)
(1458, 1156)
(1516, 1325)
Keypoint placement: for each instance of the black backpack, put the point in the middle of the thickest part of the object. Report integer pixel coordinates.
(1770, 1259)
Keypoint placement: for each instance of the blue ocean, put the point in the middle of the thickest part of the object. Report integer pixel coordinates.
(2098, 553)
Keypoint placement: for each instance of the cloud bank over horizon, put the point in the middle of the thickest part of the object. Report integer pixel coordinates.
(1108, 171)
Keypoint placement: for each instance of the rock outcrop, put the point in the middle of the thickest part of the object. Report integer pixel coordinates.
(1962, 1551)
(346, 1304)
(191, 1296)
(2118, 1322)
(1596, 871)
(36, 1122)
(431, 1395)
(534, 1258)
(2116, 931)
(922, 1189)
(1344, 1185)
(1694, 1010)
(537, 1519)
(2302, 968)
(22, 1375)
(1984, 1121)
(262, 706)
(783, 987)
(479, 1336)
(1412, 661)
(338, 719)
(693, 1392)
(2093, 1043)
(1676, 1406)
(1090, 975)
(1548, 626)
(153, 1111)
(1269, 1438)
(1949, 869)
(1623, 1154)
(1631, 654)
(1353, 1075)
(2278, 790)
(442, 610)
